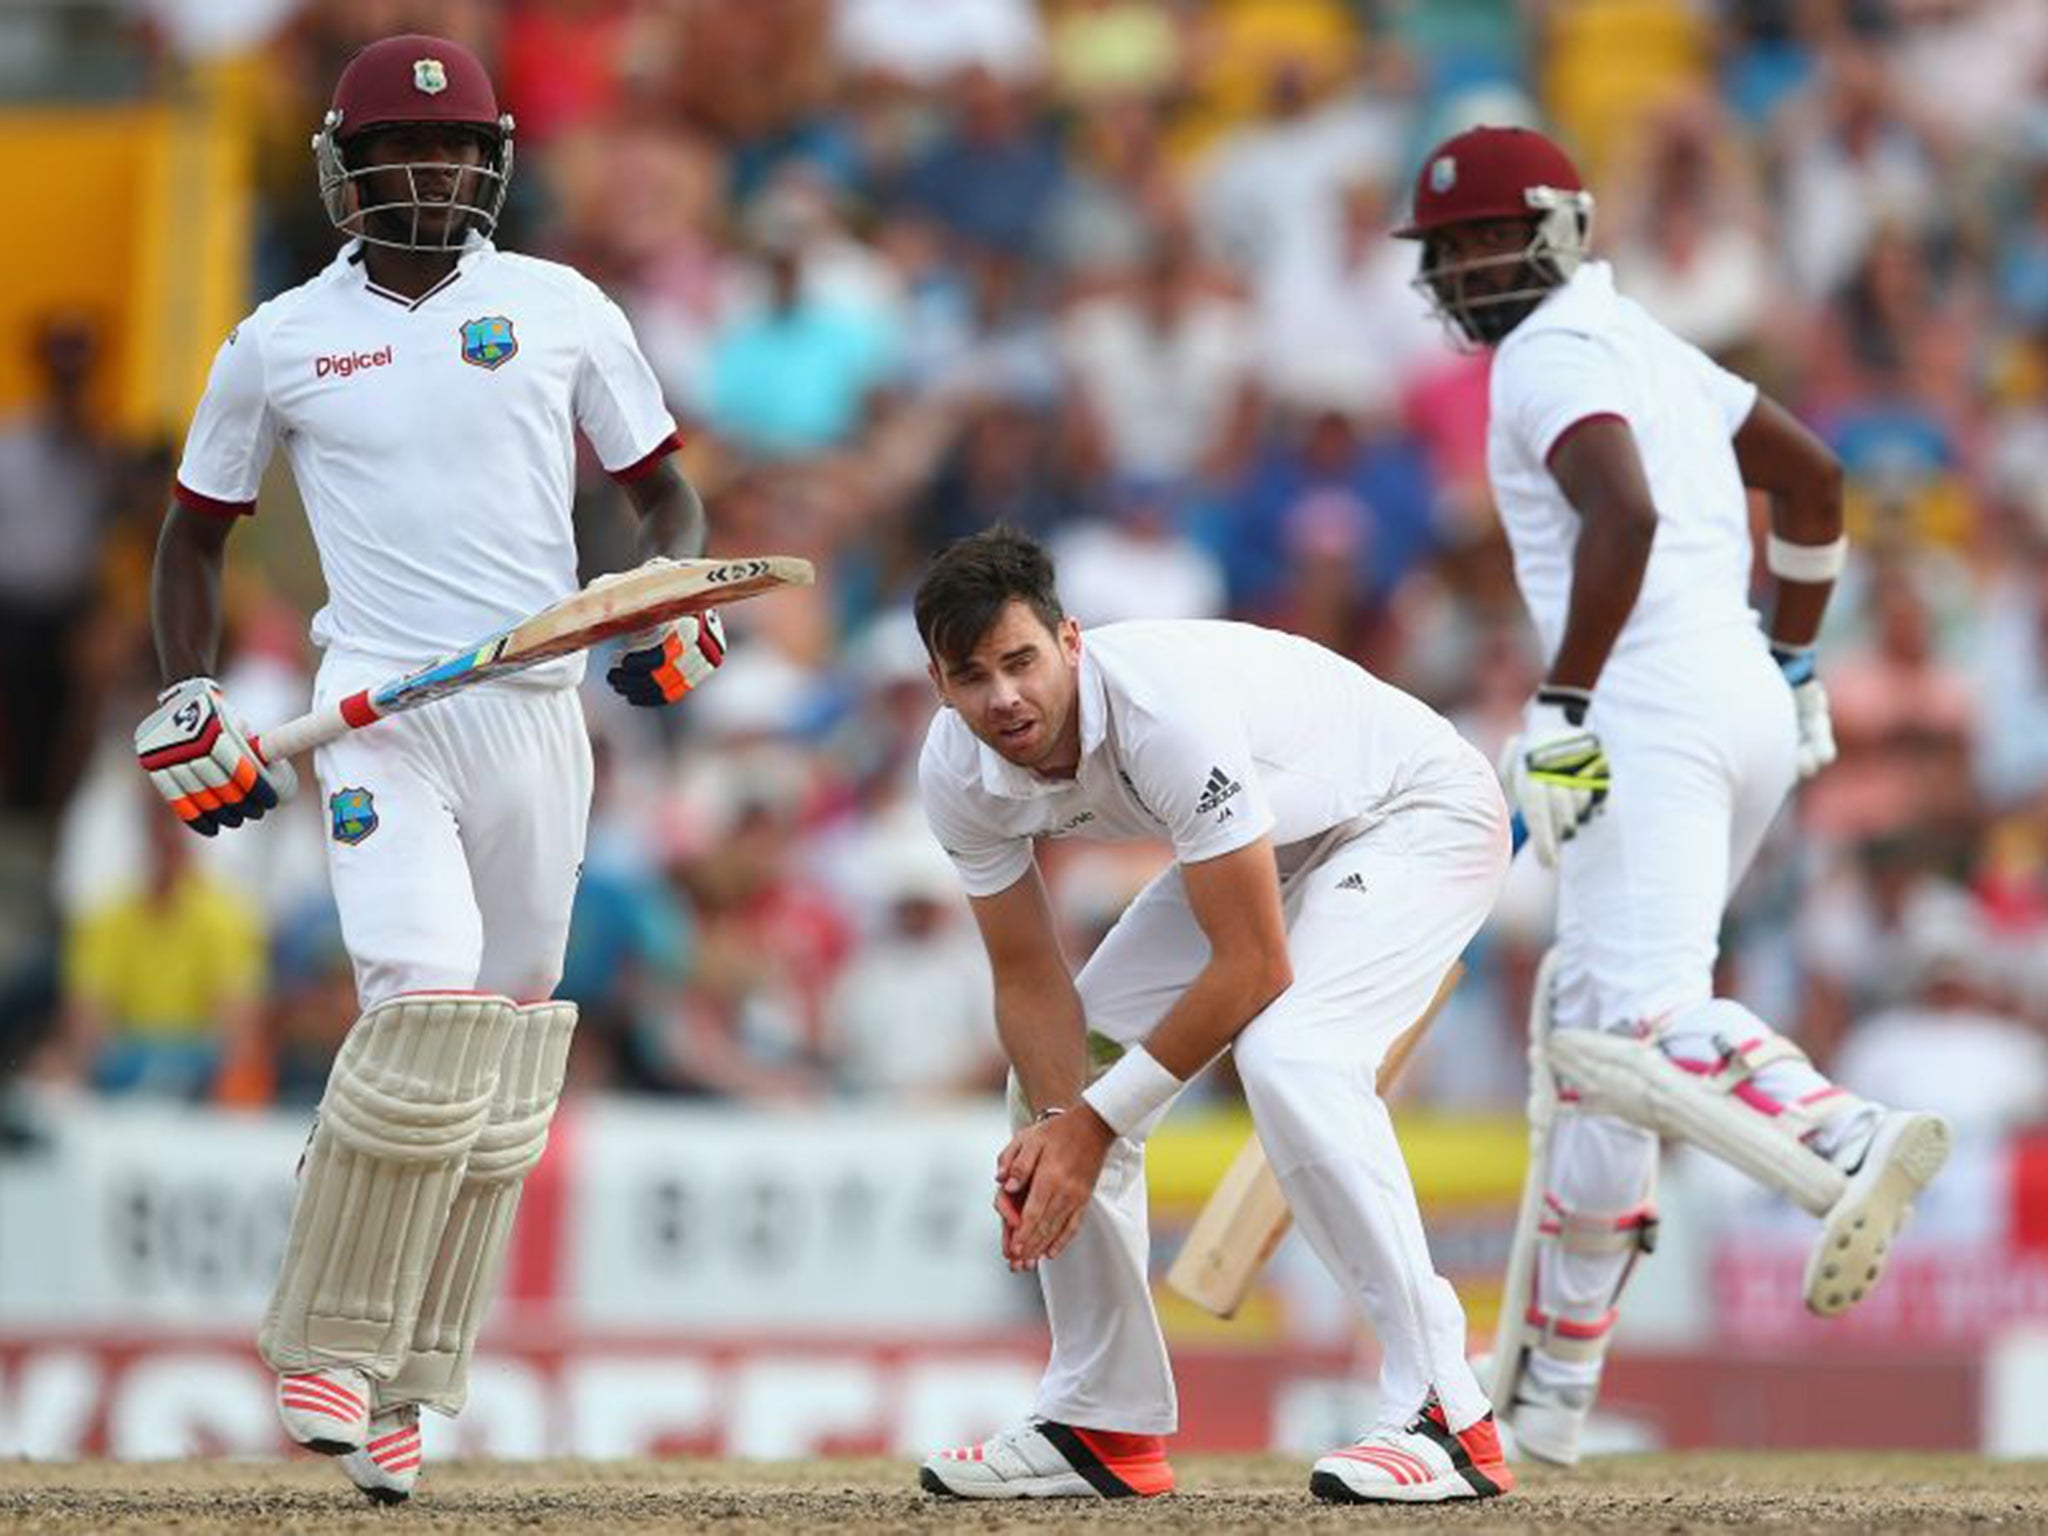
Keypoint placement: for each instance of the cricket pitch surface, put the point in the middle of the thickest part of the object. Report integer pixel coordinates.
(1728, 1491)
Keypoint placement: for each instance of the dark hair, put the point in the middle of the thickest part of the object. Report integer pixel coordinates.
(973, 580)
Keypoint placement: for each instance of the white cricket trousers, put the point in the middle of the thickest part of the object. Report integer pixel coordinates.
(1703, 744)
(455, 835)
(1372, 927)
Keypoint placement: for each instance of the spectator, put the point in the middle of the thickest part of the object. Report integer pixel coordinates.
(923, 42)
(990, 179)
(1331, 484)
(793, 375)
(1270, 196)
(770, 944)
(1951, 1041)
(1690, 243)
(1136, 563)
(2010, 664)
(909, 1018)
(1852, 164)
(1905, 721)
(1164, 374)
(163, 986)
(57, 485)
(1342, 322)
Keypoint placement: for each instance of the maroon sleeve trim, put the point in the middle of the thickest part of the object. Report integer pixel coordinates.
(1558, 441)
(207, 506)
(647, 461)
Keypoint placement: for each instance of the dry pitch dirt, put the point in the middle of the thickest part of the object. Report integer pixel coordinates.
(1651, 1494)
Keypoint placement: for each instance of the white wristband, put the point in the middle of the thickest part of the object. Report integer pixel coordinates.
(1806, 562)
(1131, 1091)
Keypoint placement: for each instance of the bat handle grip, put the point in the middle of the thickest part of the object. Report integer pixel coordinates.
(314, 729)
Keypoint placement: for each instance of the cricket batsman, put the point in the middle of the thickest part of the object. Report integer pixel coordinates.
(1336, 845)
(1667, 733)
(426, 389)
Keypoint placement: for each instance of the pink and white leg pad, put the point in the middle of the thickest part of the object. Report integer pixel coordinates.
(1706, 1077)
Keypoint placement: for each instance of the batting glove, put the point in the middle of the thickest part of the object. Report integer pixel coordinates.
(198, 757)
(661, 665)
(1556, 770)
(1810, 701)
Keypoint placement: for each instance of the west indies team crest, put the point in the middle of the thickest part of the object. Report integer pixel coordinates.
(355, 814)
(489, 342)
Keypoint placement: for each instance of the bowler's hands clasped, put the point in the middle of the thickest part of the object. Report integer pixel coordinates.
(199, 757)
(1044, 1180)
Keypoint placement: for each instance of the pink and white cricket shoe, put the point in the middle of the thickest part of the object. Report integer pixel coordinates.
(326, 1411)
(1424, 1462)
(389, 1463)
(1047, 1460)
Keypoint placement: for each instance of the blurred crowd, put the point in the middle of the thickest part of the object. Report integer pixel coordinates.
(1117, 272)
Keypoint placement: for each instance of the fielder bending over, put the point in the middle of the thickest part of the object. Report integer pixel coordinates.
(1337, 845)
(426, 388)
(1667, 734)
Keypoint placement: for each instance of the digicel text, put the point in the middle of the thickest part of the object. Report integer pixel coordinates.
(346, 363)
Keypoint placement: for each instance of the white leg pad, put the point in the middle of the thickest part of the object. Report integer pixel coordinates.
(464, 1277)
(408, 1096)
(1630, 1077)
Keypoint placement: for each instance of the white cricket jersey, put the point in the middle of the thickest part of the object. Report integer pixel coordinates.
(1206, 734)
(1585, 353)
(432, 440)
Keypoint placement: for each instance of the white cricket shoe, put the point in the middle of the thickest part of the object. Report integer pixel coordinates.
(389, 1463)
(1046, 1460)
(1424, 1462)
(1546, 1422)
(326, 1411)
(1902, 1157)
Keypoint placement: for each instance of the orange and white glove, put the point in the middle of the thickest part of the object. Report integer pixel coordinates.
(661, 665)
(198, 757)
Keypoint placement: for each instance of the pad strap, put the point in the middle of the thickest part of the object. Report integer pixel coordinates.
(1631, 1232)
(1735, 1069)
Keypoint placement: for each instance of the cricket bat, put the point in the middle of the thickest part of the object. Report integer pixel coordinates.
(614, 605)
(1247, 1216)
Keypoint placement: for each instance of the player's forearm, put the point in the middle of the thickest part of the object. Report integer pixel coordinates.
(1607, 577)
(1601, 474)
(1806, 521)
(1803, 480)
(184, 595)
(672, 521)
(1228, 993)
(1045, 1034)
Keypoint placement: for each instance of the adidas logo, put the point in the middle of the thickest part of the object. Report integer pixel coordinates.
(1221, 787)
(1352, 882)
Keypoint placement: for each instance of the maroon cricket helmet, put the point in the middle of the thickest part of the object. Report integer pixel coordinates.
(413, 78)
(1487, 174)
